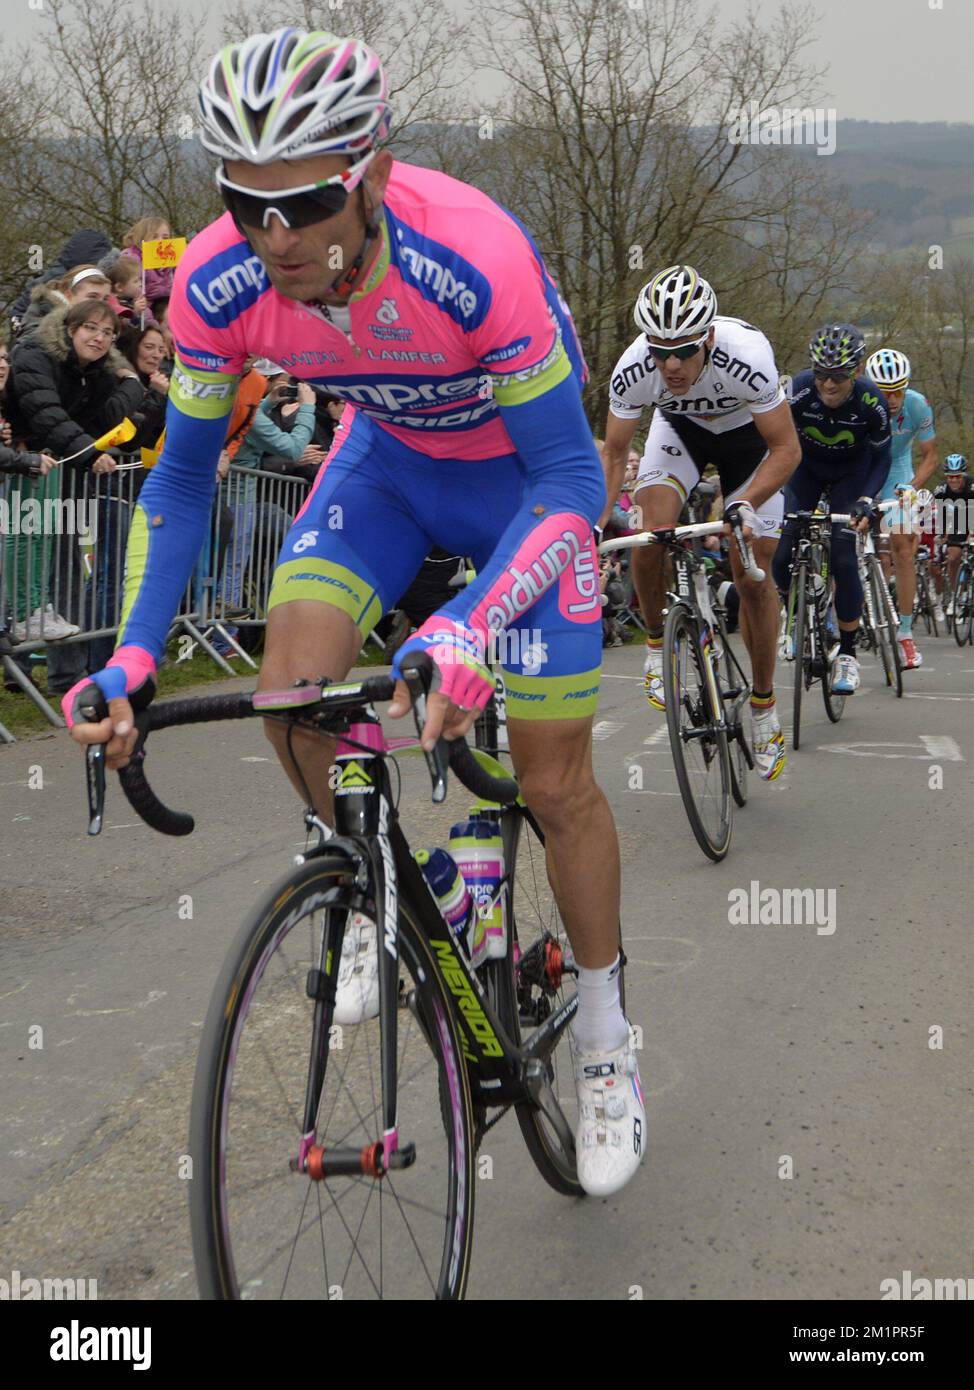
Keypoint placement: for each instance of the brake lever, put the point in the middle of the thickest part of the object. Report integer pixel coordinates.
(436, 761)
(745, 552)
(94, 775)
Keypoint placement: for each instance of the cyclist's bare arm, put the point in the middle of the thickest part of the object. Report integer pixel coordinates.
(777, 428)
(928, 463)
(619, 435)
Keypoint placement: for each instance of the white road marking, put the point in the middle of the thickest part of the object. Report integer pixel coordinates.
(661, 734)
(942, 748)
(605, 728)
(255, 760)
(938, 695)
(934, 748)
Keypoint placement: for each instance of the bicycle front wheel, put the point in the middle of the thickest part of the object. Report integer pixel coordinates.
(263, 1227)
(890, 620)
(963, 606)
(697, 738)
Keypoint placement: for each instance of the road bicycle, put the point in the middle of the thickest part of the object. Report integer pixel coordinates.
(924, 605)
(880, 622)
(811, 626)
(963, 598)
(340, 1160)
(705, 688)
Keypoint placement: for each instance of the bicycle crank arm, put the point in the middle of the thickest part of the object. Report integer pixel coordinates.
(538, 1087)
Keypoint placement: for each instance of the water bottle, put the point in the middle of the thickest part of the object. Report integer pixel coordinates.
(451, 893)
(478, 849)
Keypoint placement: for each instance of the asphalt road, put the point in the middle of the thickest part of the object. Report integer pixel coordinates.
(809, 1086)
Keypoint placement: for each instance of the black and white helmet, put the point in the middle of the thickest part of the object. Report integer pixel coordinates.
(676, 303)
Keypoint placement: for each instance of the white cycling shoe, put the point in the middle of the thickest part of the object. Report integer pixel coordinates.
(653, 677)
(845, 675)
(611, 1132)
(768, 744)
(357, 995)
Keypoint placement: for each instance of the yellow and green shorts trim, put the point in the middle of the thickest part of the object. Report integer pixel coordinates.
(552, 697)
(324, 581)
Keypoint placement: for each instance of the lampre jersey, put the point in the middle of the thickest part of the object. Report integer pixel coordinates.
(458, 346)
(739, 379)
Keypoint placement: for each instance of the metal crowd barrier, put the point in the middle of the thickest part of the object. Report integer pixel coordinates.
(63, 542)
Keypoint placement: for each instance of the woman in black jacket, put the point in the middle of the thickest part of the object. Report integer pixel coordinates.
(68, 385)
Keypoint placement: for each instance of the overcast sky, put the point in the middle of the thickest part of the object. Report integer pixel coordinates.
(888, 60)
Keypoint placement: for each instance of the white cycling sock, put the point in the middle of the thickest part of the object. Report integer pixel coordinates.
(600, 1025)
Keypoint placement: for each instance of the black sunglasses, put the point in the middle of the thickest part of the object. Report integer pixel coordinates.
(294, 209)
(833, 374)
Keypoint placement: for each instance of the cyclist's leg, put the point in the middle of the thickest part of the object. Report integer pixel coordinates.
(759, 599)
(551, 706)
(667, 475)
(352, 549)
(898, 527)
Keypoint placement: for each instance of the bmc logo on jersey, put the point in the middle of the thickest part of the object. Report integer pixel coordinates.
(440, 274)
(225, 286)
(737, 368)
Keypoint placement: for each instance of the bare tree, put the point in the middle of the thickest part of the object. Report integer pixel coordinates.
(616, 152)
(113, 139)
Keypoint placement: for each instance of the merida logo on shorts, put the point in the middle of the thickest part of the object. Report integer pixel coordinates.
(227, 285)
(519, 589)
(323, 579)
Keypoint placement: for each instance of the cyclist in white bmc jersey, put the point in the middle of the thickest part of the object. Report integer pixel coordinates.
(715, 386)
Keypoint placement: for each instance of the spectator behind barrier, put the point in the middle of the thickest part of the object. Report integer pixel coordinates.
(160, 312)
(83, 248)
(145, 349)
(158, 283)
(126, 297)
(80, 282)
(68, 385)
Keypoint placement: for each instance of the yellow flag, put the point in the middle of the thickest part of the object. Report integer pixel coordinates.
(164, 254)
(150, 457)
(121, 434)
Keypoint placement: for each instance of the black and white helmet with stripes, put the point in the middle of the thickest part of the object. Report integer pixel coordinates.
(676, 303)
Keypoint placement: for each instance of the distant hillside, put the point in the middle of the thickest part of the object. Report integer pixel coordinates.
(917, 177)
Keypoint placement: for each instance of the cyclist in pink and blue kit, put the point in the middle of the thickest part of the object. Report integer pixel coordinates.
(426, 306)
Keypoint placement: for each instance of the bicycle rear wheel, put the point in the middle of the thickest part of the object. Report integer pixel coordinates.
(262, 1226)
(534, 980)
(801, 652)
(877, 628)
(700, 752)
(834, 704)
(890, 621)
(963, 606)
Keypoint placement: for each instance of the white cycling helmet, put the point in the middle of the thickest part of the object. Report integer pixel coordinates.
(291, 94)
(676, 303)
(889, 369)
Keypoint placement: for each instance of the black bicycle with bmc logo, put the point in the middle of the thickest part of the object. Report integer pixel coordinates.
(705, 688)
(339, 1160)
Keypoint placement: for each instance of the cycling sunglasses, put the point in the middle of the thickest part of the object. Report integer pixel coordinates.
(834, 373)
(296, 207)
(682, 354)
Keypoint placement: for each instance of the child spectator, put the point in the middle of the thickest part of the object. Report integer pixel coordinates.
(158, 283)
(126, 297)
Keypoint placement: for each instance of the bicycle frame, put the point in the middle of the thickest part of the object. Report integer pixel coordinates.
(369, 836)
